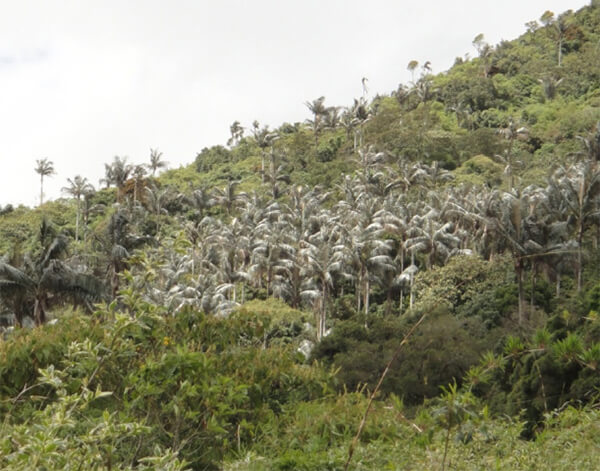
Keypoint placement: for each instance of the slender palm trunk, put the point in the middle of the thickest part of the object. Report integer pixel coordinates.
(41, 189)
(367, 289)
(560, 41)
(580, 259)
(401, 300)
(39, 311)
(412, 296)
(533, 280)
(321, 328)
(519, 272)
(77, 219)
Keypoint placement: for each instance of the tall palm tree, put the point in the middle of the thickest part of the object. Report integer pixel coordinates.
(117, 173)
(264, 138)
(78, 187)
(319, 110)
(591, 144)
(228, 197)
(44, 168)
(118, 244)
(156, 161)
(516, 223)
(156, 202)
(364, 251)
(321, 263)
(361, 112)
(44, 279)
(138, 172)
(577, 190)
(237, 132)
(200, 200)
(511, 133)
(432, 236)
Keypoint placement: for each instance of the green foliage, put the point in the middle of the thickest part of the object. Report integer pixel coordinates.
(480, 170)
(438, 353)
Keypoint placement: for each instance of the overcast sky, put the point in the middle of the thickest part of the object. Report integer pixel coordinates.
(82, 81)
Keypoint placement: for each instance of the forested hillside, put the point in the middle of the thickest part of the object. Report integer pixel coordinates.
(409, 281)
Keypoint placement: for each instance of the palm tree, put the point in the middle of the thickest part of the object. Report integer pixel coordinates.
(550, 86)
(511, 133)
(577, 190)
(118, 246)
(433, 237)
(264, 138)
(44, 280)
(319, 110)
(200, 200)
(411, 67)
(364, 252)
(276, 175)
(138, 172)
(591, 145)
(228, 197)
(78, 187)
(44, 168)
(516, 222)
(361, 112)
(321, 262)
(156, 201)
(117, 174)
(332, 119)
(237, 132)
(155, 161)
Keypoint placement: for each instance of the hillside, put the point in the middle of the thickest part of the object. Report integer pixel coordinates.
(434, 249)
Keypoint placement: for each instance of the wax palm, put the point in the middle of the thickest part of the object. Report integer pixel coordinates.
(156, 161)
(228, 197)
(577, 191)
(44, 168)
(319, 110)
(321, 263)
(78, 187)
(117, 173)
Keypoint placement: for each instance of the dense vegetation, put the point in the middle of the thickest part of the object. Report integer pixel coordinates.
(238, 313)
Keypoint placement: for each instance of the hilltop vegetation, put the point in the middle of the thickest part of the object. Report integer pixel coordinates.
(239, 312)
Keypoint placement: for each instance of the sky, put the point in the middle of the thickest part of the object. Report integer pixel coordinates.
(83, 81)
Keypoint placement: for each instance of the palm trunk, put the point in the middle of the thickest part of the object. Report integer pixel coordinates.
(367, 289)
(39, 311)
(323, 312)
(401, 299)
(533, 280)
(519, 272)
(560, 41)
(412, 296)
(579, 259)
(41, 189)
(77, 220)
